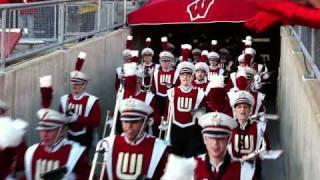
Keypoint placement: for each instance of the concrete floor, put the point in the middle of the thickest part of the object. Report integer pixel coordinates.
(273, 169)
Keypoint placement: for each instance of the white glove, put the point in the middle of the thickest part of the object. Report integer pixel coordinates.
(73, 118)
(163, 126)
(257, 86)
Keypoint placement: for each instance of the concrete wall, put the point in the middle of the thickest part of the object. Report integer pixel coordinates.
(19, 85)
(299, 107)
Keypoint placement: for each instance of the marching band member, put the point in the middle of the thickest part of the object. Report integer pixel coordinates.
(201, 76)
(196, 54)
(133, 84)
(214, 68)
(147, 67)
(82, 108)
(54, 150)
(13, 149)
(183, 101)
(163, 78)
(216, 163)
(249, 136)
(126, 55)
(245, 80)
(134, 153)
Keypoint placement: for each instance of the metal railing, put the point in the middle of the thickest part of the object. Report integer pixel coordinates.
(309, 39)
(48, 25)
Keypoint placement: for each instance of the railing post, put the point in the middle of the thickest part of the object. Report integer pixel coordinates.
(61, 24)
(124, 13)
(313, 45)
(99, 15)
(3, 38)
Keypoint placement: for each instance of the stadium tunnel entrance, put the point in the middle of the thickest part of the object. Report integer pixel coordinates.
(229, 35)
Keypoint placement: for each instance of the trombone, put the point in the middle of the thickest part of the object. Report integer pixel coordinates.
(102, 147)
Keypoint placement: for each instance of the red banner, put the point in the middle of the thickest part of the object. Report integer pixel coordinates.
(192, 11)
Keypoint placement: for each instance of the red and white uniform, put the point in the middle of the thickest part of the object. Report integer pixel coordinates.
(87, 108)
(227, 170)
(215, 71)
(150, 70)
(248, 138)
(10, 155)
(201, 85)
(185, 135)
(65, 153)
(127, 160)
(184, 102)
(161, 80)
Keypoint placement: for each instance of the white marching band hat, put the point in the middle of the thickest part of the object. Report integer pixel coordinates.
(241, 97)
(76, 76)
(126, 53)
(147, 50)
(166, 56)
(50, 119)
(186, 67)
(213, 56)
(196, 51)
(132, 109)
(202, 66)
(217, 125)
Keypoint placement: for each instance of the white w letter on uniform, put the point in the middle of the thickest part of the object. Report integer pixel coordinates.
(184, 104)
(126, 170)
(248, 144)
(165, 78)
(43, 166)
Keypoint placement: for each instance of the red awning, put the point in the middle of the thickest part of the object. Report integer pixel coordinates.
(158, 12)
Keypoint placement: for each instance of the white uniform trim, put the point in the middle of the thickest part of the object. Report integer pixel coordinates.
(74, 155)
(260, 67)
(233, 79)
(261, 128)
(247, 171)
(28, 161)
(63, 102)
(155, 77)
(91, 100)
(149, 97)
(176, 76)
(118, 71)
(110, 141)
(200, 97)
(158, 150)
(260, 98)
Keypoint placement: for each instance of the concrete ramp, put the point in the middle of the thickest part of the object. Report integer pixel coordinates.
(19, 85)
